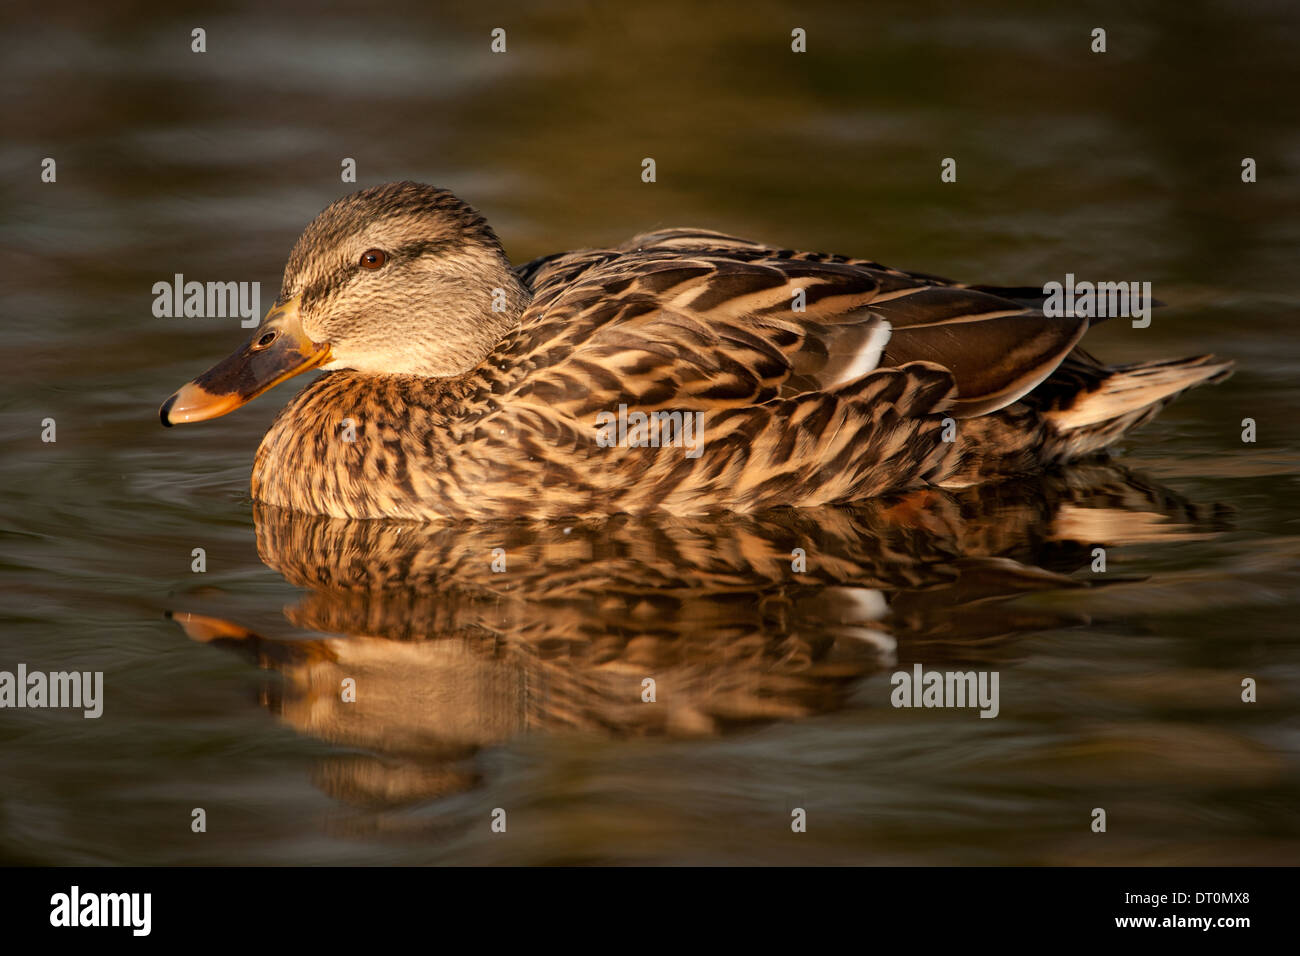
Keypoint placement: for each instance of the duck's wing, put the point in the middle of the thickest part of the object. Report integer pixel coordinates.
(688, 318)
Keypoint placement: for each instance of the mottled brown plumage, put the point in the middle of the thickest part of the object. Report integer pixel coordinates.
(463, 388)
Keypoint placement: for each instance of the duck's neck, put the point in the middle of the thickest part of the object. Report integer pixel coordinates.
(509, 299)
(478, 314)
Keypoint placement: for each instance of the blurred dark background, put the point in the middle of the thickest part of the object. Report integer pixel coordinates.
(1124, 165)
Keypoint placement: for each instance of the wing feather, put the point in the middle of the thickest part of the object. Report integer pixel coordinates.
(693, 319)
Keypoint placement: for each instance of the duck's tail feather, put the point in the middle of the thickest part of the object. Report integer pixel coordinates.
(1034, 297)
(1118, 398)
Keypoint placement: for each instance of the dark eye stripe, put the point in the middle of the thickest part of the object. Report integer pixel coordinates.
(413, 250)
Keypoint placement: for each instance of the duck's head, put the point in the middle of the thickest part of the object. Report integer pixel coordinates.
(396, 279)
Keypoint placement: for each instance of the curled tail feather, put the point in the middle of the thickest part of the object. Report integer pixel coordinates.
(1082, 408)
(1128, 396)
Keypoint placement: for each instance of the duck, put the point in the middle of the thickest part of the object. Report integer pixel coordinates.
(685, 371)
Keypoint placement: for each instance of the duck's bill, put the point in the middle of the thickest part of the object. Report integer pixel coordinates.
(279, 349)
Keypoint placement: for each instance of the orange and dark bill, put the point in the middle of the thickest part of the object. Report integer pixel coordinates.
(279, 349)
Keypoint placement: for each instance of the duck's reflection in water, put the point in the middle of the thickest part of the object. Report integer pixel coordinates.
(461, 637)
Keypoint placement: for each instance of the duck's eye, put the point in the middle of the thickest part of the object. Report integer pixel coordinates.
(373, 258)
(266, 340)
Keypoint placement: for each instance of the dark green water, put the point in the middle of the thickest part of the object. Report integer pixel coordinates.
(522, 691)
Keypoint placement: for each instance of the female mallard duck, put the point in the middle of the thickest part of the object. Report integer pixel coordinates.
(460, 387)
